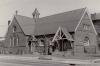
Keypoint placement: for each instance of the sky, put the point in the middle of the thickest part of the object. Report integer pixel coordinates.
(45, 7)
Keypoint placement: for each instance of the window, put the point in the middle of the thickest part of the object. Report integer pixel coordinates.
(10, 42)
(86, 41)
(41, 43)
(86, 27)
(14, 28)
(15, 41)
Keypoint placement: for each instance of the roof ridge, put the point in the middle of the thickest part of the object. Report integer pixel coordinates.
(64, 12)
(53, 14)
(24, 16)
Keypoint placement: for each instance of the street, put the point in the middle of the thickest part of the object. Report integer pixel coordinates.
(18, 60)
(26, 61)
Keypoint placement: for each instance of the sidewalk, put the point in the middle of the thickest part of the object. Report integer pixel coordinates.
(72, 61)
(53, 59)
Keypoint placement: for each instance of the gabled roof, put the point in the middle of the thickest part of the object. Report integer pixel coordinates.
(62, 33)
(27, 24)
(68, 36)
(50, 24)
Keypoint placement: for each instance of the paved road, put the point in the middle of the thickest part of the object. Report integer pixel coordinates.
(10, 60)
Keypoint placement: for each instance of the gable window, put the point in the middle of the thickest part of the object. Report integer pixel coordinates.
(86, 27)
(14, 28)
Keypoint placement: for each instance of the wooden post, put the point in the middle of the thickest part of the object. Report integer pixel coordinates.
(62, 44)
(72, 47)
(95, 49)
(57, 48)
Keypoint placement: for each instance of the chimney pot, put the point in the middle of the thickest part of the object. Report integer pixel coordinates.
(9, 22)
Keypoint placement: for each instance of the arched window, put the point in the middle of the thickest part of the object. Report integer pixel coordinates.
(10, 42)
(86, 41)
(14, 28)
(15, 40)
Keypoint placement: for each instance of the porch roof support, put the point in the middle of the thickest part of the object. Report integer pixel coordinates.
(61, 32)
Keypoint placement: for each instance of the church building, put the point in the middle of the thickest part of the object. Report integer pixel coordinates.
(69, 33)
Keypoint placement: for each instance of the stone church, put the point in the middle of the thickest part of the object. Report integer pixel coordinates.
(67, 33)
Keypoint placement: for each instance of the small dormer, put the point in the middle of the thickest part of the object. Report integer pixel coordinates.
(35, 14)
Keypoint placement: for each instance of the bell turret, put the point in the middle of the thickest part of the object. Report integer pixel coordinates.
(35, 14)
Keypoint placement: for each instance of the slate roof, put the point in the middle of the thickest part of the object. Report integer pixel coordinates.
(50, 24)
(27, 24)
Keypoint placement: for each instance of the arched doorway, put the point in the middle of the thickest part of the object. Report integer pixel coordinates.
(30, 43)
(62, 45)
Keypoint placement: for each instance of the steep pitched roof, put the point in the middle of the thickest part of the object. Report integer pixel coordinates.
(26, 23)
(50, 24)
(62, 33)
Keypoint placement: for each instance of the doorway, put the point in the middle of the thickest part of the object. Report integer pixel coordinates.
(62, 45)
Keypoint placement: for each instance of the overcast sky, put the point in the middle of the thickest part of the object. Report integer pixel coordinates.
(45, 7)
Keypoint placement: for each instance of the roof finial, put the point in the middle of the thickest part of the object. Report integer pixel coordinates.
(16, 12)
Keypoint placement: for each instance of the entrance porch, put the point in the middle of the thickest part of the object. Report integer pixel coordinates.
(62, 43)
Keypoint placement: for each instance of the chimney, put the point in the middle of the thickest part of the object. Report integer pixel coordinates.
(16, 12)
(35, 14)
(9, 22)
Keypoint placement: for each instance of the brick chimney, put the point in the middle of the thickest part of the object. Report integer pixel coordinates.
(9, 22)
(16, 12)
